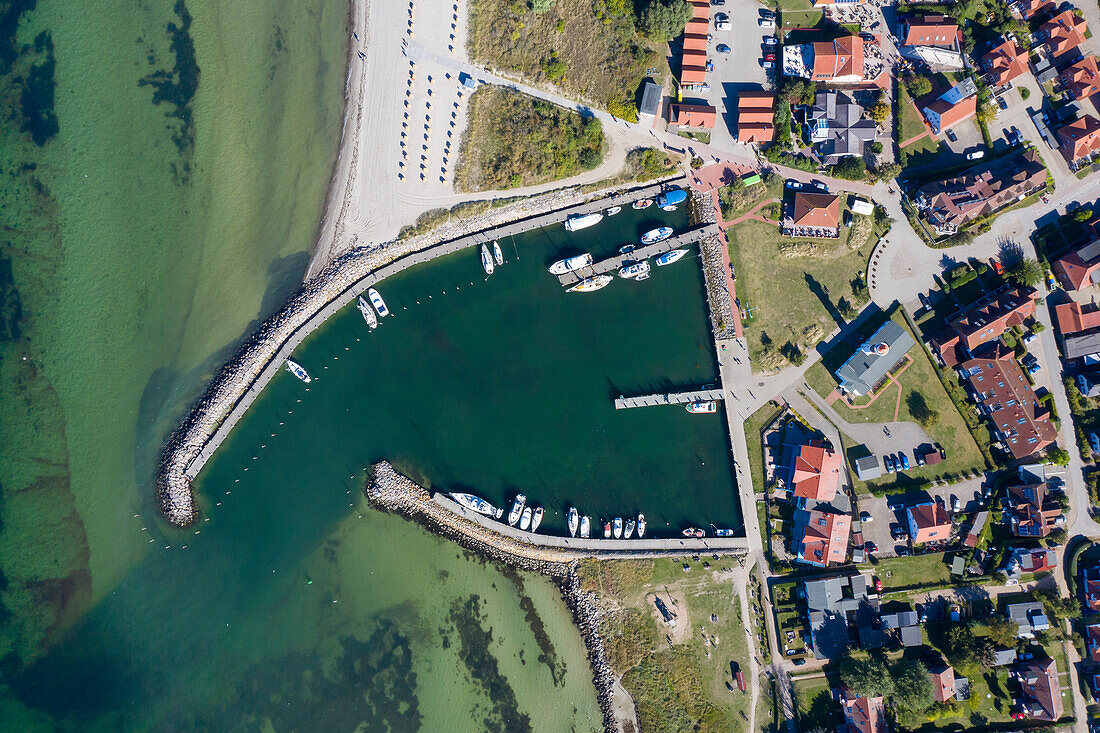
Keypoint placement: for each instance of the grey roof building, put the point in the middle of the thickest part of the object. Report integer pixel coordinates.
(833, 603)
(1004, 657)
(910, 636)
(1085, 347)
(1029, 617)
(836, 122)
(874, 358)
(868, 468)
(651, 99)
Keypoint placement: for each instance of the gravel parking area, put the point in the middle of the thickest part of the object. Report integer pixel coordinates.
(969, 493)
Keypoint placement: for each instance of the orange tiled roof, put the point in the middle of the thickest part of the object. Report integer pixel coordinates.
(1080, 138)
(838, 58)
(932, 30)
(692, 115)
(1082, 79)
(816, 210)
(816, 472)
(1006, 62)
(1073, 318)
(1064, 32)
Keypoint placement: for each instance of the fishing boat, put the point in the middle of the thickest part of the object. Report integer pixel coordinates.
(723, 532)
(517, 509)
(477, 504)
(367, 312)
(486, 260)
(607, 530)
(617, 527)
(583, 221)
(702, 406)
(634, 269)
(525, 519)
(569, 264)
(536, 520)
(572, 521)
(630, 524)
(671, 197)
(673, 255)
(298, 370)
(377, 302)
(613, 210)
(641, 526)
(590, 284)
(497, 254)
(641, 204)
(659, 234)
(693, 532)
(586, 527)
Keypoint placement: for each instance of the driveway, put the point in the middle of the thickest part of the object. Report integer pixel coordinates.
(969, 493)
(967, 138)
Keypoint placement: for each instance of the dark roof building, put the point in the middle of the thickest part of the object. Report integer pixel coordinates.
(832, 604)
(868, 468)
(651, 100)
(1041, 690)
(837, 126)
(874, 359)
(1085, 347)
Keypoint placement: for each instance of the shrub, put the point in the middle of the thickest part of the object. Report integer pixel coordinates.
(663, 20)
(541, 6)
(850, 168)
(621, 107)
(643, 164)
(876, 147)
(918, 86)
(1024, 92)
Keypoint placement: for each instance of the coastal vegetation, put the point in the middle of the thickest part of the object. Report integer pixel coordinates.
(514, 140)
(588, 48)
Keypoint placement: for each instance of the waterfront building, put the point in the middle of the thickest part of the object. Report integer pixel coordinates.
(755, 117)
(811, 471)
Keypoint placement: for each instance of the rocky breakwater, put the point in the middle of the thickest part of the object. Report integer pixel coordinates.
(388, 490)
(719, 302)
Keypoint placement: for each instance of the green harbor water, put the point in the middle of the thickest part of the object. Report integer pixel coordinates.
(164, 173)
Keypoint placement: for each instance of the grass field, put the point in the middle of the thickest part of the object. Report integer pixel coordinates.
(816, 707)
(515, 140)
(793, 298)
(584, 47)
(916, 570)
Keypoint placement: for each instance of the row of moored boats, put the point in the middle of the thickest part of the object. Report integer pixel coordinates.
(489, 262)
(368, 310)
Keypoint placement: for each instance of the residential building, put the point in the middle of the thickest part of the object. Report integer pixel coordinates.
(692, 115)
(820, 537)
(1081, 80)
(1085, 348)
(905, 626)
(836, 124)
(1090, 583)
(832, 604)
(819, 3)
(838, 61)
(980, 191)
(943, 683)
(1080, 268)
(1092, 642)
(1003, 657)
(874, 359)
(1029, 617)
(931, 30)
(1027, 9)
(814, 214)
(1072, 317)
(1005, 396)
(693, 58)
(980, 520)
(1041, 690)
(1064, 33)
(1034, 560)
(755, 117)
(1031, 510)
(863, 714)
(811, 471)
(984, 320)
(1005, 62)
(1079, 141)
(958, 103)
(928, 522)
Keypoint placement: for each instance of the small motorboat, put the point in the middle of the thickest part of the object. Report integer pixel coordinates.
(669, 208)
(486, 260)
(643, 276)
(723, 532)
(525, 519)
(626, 249)
(569, 264)
(378, 303)
(667, 258)
(630, 524)
(517, 510)
(498, 256)
(586, 527)
(536, 520)
(671, 197)
(572, 521)
(641, 526)
(613, 210)
(659, 234)
(702, 406)
(634, 269)
(694, 532)
(641, 204)
(607, 530)
(617, 527)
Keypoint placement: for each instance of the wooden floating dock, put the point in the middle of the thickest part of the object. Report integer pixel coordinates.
(674, 398)
(611, 265)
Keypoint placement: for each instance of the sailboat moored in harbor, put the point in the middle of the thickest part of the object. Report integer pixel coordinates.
(298, 370)
(367, 313)
(572, 521)
(486, 260)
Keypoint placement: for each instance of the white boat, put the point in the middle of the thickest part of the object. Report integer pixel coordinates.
(377, 302)
(641, 526)
(607, 530)
(497, 254)
(572, 521)
(486, 260)
(617, 527)
(630, 524)
(583, 221)
(693, 532)
(590, 284)
(517, 509)
(634, 269)
(673, 255)
(643, 276)
(536, 520)
(586, 527)
(613, 210)
(702, 406)
(298, 370)
(368, 312)
(659, 234)
(626, 249)
(669, 208)
(641, 204)
(477, 504)
(525, 520)
(571, 263)
(723, 532)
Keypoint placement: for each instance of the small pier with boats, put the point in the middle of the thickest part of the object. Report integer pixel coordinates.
(611, 265)
(695, 397)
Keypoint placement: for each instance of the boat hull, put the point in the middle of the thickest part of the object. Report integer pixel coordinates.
(671, 256)
(656, 235)
(477, 504)
(591, 284)
(569, 264)
(378, 303)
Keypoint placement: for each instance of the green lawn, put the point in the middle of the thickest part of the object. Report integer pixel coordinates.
(911, 123)
(789, 294)
(916, 570)
(754, 425)
(801, 18)
(816, 707)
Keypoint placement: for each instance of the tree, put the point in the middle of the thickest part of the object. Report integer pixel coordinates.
(918, 85)
(887, 171)
(866, 677)
(876, 147)
(879, 112)
(1026, 272)
(794, 354)
(963, 648)
(1002, 631)
(663, 20)
(541, 6)
(912, 685)
(919, 408)
(849, 168)
(798, 91)
(1058, 456)
(1082, 215)
(1037, 327)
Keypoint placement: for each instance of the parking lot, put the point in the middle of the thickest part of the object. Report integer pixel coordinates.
(969, 494)
(737, 70)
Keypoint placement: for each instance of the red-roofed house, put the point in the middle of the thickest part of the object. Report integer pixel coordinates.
(1064, 32)
(820, 538)
(813, 471)
(931, 30)
(1090, 578)
(1073, 317)
(1005, 62)
(928, 523)
(983, 321)
(863, 714)
(943, 684)
(1032, 512)
(816, 211)
(1082, 79)
(1080, 140)
(692, 115)
(755, 117)
(1041, 690)
(943, 115)
(695, 42)
(1079, 269)
(1029, 8)
(839, 60)
(1092, 640)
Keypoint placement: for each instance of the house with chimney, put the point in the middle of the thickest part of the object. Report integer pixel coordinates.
(1064, 33)
(1080, 80)
(958, 103)
(810, 471)
(820, 538)
(1005, 62)
(983, 321)
(1041, 691)
(1027, 9)
(863, 714)
(1029, 617)
(836, 604)
(1079, 269)
(928, 523)
(1079, 141)
(1092, 642)
(692, 116)
(943, 683)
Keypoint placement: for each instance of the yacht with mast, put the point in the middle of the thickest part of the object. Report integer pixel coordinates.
(298, 370)
(591, 284)
(572, 521)
(498, 256)
(477, 504)
(367, 313)
(486, 260)
(673, 255)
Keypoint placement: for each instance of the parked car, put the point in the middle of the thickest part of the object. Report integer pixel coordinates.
(1052, 284)
(1035, 369)
(722, 25)
(769, 57)
(1083, 384)
(866, 517)
(1002, 103)
(901, 551)
(904, 461)
(770, 40)
(722, 48)
(878, 584)
(1094, 442)
(888, 462)
(951, 136)
(794, 184)
(1028, 359)
(996, 265)
(897, 532)
(1030, 338)
(800, 661)
(975, 155)
(870, 546)
(956, 505)
(955, 612)
(721, 18)
(768, 64)
(766, 23)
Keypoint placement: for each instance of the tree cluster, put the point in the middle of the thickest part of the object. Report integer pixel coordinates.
(663, 20)
(906, 681)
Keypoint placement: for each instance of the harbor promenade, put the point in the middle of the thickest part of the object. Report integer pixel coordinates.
(611, 265)
(673, 398)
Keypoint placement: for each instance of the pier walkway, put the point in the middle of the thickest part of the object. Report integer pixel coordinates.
(674, 398)
(599, 547)
(611, 265)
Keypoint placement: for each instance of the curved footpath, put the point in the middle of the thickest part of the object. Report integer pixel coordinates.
(243, 378)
